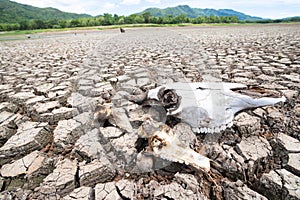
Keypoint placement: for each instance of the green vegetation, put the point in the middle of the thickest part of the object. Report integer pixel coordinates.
(108, 19)
(14, 16)
(266, 21)
(13, 13)
(197, 12)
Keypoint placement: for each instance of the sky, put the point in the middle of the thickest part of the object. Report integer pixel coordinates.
(273, 9)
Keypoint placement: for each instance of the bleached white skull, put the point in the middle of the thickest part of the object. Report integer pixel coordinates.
(207, 107)
(165, 143)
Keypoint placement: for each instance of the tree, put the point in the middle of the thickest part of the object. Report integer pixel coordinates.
(212, 19)
(74, 23)
(139, 19)
(50, 23)
(160, 20)
(84, 22)
(234, 19)
(130, 19)
(62, 23)
(121, 20)
(146, 17)
(168, 19)
(9, 27)
(108, 20)
(180, 19)
(199, 20)
(24, 25)
(100, 21)
(115, 19)
(36, 24)
(153, 20)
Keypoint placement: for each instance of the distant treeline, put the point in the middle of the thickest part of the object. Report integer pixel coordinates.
(108, 19)
(264, 21)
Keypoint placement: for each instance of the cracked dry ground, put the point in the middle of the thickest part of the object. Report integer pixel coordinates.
(51, 149)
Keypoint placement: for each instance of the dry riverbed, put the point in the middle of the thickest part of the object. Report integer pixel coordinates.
(51, 148)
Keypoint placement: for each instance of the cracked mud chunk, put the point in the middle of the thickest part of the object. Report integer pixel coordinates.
(189, 181)
(8, 125)
(27, 165)
(9, 107)
(127, 188)
(82, 103)
(66, 133)
(280, 184)
(289, 143)
(88, 146)
(247, 124)
(97, 171)
(82, 193)
(254, 148)
(64, 113)
(62, 180)
(175, 191)
(30, 136)
(239, 191)
(27, 172)
(20, 97)
(293, 164)
(106, 191)
(45, 107)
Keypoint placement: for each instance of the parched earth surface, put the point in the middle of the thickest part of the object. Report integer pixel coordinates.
(50, 86)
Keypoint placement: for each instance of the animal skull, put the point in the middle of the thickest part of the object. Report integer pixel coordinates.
(165, 144)
(207, 107)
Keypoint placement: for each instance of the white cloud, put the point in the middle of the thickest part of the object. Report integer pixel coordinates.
(109, 6)
(130, 2)
(154, 1)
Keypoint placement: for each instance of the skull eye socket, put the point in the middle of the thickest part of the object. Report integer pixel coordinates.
(157, 142)
(168, 98)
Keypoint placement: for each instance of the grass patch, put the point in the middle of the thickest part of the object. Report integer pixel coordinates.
(38, 31)
(31, 32)
(26, 32)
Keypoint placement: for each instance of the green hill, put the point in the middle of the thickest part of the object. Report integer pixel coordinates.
(12, 12)
(197, 12)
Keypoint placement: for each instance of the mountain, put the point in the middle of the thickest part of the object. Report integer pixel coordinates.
(197, 12)
(12, 12)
